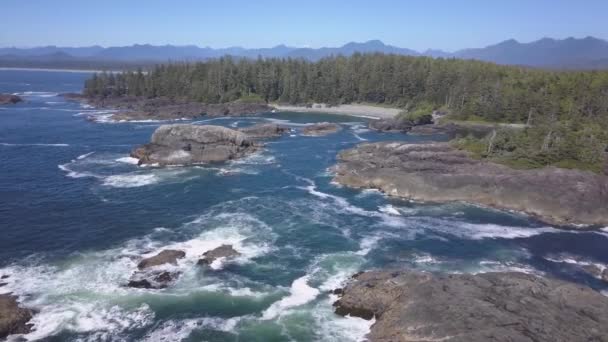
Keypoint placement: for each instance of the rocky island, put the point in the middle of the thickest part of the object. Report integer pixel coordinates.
(183, 144)
(9, 99)
(321, 129)
(438, 172)
(415, 306)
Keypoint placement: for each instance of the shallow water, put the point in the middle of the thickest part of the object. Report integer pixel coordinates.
(76, 214)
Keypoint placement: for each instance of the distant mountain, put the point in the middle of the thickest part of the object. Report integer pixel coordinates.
(585, 53)
(546, 52)
(349, 49)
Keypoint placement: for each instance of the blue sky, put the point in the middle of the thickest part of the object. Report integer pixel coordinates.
(414, 24)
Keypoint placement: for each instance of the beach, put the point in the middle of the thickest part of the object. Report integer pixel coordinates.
(359, 110)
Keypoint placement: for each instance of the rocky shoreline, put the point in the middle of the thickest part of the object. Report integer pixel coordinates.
(13, 318)
(132, 108)
(437, 172)
(6, 99)
(510, 306)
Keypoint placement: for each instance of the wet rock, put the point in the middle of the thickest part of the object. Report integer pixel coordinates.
(153, 280)
(13, 318)
(597, 271)
(263, 131)
(184, 144)
(223, 251)
(438, 172)
(413, 306)
(6, 276)
(390, 125)
(167, 256)
(9, 99)
(320, 129)
(76, 97)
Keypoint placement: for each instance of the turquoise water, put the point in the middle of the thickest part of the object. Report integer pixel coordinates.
(76, 214)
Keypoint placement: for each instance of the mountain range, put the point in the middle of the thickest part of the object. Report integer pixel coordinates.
(569, 53)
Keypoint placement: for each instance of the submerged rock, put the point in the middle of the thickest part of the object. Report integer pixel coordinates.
(9, 99)
(262, 131)
(223, 251)
(320, 129)
(412, 306)
(13, 318)
(185, 144)
(440, 173)
(167, 256)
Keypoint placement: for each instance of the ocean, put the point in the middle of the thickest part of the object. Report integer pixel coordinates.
(76, 215)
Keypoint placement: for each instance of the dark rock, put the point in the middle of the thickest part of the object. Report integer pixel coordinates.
(6, 276)
(262, 131)
(167, 256)
(223, 251)
(596, 271)
(416, 306)
(390, 125)
(162, 108)
(194, 144)
(76, 97)
(320, 129)
(440, 173)
(3, 284)
(338, 292)
(13, 319)
(9, 99)
(153, 280)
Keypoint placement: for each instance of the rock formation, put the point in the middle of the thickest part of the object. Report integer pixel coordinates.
(184, 144)
(9, 99)
(167, 256)
(320, 129)
(438, 172)
(264, 131)
(412, 306)
(390, 125)
(223, 251)
(150, 277)
(13, 318)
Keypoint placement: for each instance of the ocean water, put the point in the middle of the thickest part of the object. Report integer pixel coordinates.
(76, 214)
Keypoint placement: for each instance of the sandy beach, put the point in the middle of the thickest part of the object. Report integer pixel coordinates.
(360, 110)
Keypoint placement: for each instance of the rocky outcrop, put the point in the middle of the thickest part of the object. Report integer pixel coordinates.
(390, 125)
(440, 173)
(599, 272)
(167, 256)
(9, 99)
(320, 129)
(13, 318)
(149, 276)
(264, 131)
(411, 306)
(194, 144)
(223, 251)
(162, 108)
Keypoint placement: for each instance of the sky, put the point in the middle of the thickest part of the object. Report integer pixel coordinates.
(415, 24)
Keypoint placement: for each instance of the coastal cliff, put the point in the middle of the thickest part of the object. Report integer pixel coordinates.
(414, 306)
(437, 172)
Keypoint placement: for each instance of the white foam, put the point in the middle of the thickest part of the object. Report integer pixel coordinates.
(367, 244)
(36, 144)
(37, 94)
(359, 137)
(130, 180)
(80, 157)
(389, 209)
(300, 294)
(178, 330)
(128, 160)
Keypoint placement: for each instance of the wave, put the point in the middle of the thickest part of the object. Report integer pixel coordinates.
(130, 180)
(389, 209)
(37, 94)
(178, 330)
(128, 160)
(36, 144)
(300, 293)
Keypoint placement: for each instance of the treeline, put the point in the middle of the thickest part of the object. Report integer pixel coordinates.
(468, 89)
(567, 110)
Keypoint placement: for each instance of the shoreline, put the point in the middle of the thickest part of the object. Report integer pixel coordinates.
(57, 70)
(357, 110)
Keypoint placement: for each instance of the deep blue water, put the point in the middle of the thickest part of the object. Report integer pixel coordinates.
(75, 215)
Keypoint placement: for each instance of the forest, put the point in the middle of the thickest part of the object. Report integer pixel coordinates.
(565, 112)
